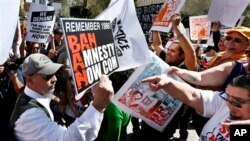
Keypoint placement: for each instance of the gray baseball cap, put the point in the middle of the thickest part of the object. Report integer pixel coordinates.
(39, 64)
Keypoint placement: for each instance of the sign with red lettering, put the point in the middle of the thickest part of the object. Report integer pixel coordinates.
(91, 49)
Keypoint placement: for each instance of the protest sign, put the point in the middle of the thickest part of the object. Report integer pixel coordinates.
(199, 27)
(155, 108)
(40, 23)
(162, 20)
(227, 12)
(91, 51)
(130, 42)
(9, 17)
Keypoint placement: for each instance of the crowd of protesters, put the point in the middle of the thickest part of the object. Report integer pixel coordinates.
(37, 94)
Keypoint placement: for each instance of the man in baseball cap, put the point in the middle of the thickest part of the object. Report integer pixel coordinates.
(244, 31)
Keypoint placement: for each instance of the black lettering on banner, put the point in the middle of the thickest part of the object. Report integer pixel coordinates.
(42, 16)
(145, 15)
(239, 132)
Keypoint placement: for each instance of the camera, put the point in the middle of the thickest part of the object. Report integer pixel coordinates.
(11, 67)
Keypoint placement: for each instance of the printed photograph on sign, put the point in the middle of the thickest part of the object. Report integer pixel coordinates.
(40, 24)
(199, 27)
(91, 48)
(155, 108)
(162, 19)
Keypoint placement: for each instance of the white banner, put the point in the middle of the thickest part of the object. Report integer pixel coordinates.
(131, 45)
(227, 12)
(8, 21)
(40, 23)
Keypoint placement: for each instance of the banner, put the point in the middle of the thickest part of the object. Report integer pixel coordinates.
(227, 12)
(162, 20)
(8, 16)
(146, 14)
(135, 98)
(91, 51)
(199, 27)
(130, 42)
(40, 23)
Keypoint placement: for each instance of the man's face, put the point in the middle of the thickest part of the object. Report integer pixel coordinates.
(58, 37)
(173, 57)
(235, 42)
(238, 94)
(43, 84)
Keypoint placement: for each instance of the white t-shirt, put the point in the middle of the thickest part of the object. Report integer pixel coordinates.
(216, 108)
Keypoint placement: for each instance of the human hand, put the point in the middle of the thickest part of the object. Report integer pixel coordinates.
(175, 19)
(52, 53)
(103, 93)
(229, 122)
(174, 70)
(156, 82)
(216, 26)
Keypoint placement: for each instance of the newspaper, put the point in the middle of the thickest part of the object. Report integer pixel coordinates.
(135, 98)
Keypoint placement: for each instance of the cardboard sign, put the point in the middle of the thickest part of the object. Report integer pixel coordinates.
(199, 27)
(91, 50)
(40, 24)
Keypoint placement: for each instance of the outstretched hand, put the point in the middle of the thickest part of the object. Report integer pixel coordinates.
(175, 19)
(173, 70)
(156, 82)
(227, 123)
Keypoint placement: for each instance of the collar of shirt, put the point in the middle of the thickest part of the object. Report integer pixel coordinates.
(43, 100)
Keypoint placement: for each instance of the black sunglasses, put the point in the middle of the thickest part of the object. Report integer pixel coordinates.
(236, 102)
(236, 40)
(47, 77)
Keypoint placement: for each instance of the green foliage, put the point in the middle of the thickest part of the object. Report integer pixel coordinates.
(97, 8)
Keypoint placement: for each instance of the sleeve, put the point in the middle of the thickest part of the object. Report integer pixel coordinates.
(114, 123)
(162, 55)
(211, 102)
(34, 125)
(216, 39)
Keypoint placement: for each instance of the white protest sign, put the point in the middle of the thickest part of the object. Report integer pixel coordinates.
(227, 12)
(162, 20)
(40, 23)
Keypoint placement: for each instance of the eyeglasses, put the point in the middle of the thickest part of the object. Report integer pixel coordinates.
(236, 40)
(237, 102)
(47, 77)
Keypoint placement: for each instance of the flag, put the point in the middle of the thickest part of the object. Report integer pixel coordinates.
(8, 16)
(131, 46)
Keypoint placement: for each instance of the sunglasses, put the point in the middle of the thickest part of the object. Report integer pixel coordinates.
(47, 77)
(236, 40)
(235, 102)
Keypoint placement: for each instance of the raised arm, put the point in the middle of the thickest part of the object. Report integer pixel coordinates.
(157, 42)
(186, 45)
(177, 90)
(215, 76)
